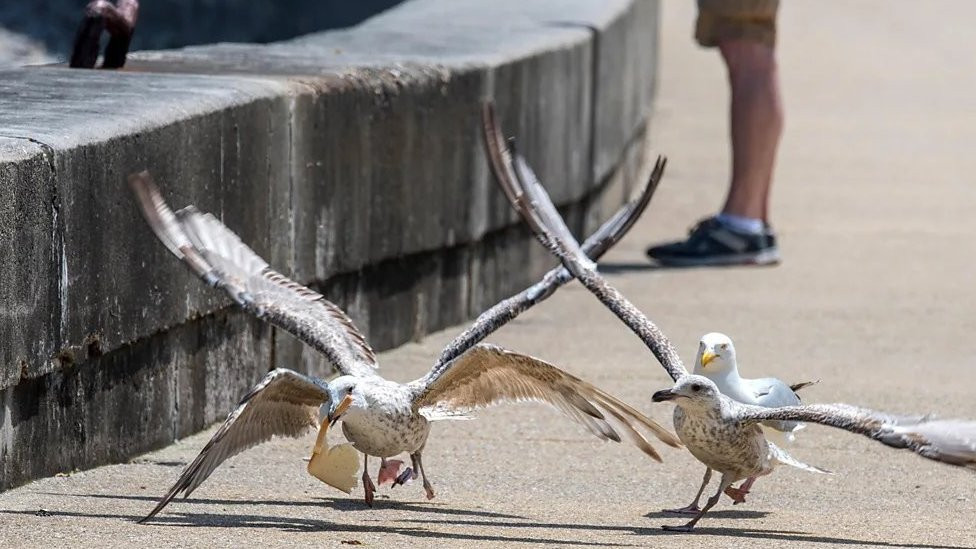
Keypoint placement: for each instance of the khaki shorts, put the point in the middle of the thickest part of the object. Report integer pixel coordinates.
(721, 20)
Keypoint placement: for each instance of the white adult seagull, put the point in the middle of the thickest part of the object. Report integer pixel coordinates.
(716, 360)
(380, 418)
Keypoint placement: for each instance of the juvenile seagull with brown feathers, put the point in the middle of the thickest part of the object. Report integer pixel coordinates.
(723, 434)
(380, 418)
(726, 436)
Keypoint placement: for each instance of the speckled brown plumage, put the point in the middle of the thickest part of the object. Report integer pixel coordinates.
(488, 374)
(218, 256)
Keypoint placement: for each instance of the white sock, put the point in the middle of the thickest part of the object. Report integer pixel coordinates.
(749, 225)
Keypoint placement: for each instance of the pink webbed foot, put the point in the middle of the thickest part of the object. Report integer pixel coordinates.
(738, 495)
(389, 471)
(691, 509)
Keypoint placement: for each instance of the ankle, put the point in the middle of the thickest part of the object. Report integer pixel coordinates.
(741, 223)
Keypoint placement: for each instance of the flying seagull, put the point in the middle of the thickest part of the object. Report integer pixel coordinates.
(380, 418)
(718, 438)
(716, 360)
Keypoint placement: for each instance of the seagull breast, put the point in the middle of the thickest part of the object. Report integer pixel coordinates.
(729, 447)
(387, 425)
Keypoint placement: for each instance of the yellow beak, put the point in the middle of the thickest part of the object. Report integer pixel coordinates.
(340, 409)
(707, 357)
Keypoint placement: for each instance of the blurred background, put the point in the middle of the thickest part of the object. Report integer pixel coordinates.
(41, 31)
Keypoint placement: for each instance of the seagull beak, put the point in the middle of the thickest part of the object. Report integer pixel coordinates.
(663, 396)
(707, 357)
(339, 410)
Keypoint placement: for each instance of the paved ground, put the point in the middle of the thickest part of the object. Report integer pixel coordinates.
(876, 297)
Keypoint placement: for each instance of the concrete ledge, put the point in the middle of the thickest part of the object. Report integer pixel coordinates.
(352, 160)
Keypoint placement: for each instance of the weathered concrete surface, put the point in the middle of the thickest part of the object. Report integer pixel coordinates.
(97, 264)
(874, 298)
(352, 160)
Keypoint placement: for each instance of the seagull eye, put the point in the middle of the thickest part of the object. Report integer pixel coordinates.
(349, 390)
(696, 387)
(724, 347)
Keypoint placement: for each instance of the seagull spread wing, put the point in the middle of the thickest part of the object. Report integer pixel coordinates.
(218, 256)
(534, 205)
(284, 403)
(950, 441)
(488, 375)
(594, 247)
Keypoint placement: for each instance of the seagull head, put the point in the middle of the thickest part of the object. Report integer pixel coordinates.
(691, 391)
(715, 353)
(344, 398)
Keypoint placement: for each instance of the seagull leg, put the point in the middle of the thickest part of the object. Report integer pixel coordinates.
(407, 475)
(738, 495)
(726, 482)
(389, 470)
(419, 466)
(692, 508)
(368, 486)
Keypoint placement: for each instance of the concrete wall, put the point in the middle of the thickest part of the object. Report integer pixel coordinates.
(352, 160)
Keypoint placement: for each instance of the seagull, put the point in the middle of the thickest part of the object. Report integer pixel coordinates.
(380, 418)
(726, 436)
(716, 361)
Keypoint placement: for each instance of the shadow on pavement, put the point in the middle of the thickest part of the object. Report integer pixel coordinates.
(721, 513)
(778, 535)
(338, 504)
(419, 527)
(796, 537)
(616, 267)
(296, 524)
(426, 507)
(619, 267)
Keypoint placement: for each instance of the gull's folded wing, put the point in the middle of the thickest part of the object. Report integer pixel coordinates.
(284, 403)
(218, 256)
(488, 375)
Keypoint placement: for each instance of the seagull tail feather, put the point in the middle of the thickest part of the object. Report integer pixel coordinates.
(785, 458)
